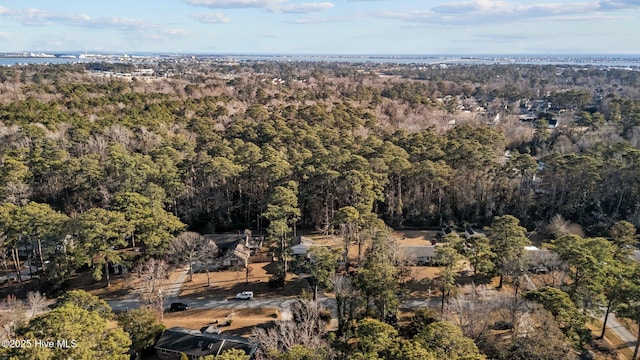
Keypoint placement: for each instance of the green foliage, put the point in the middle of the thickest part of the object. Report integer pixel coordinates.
(323, 265)
(143, 327)
(446, 341)
(420, 320)
(623, 236)
(559, 304)
(477, 250)
(374, 337)
(589, 261)
(411, 350)
(300, 352)
(508, 239)
(85, 301)
(448, 260)
(94, 337)
(282, 210)
(378, 278)
(100, 233)
(629, 304)
(152, 226)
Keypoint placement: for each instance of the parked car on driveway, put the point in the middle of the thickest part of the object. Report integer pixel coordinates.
(178, 307)
(245, 295)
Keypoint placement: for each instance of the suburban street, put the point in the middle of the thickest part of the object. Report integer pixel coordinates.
(624, 334)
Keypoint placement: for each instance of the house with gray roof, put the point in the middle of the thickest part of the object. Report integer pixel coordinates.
(195, 344)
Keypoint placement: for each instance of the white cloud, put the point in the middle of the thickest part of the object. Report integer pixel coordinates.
(618, 4)
(131, 29)
(275, 6)
(177, 32)
(319, 20)
(36, 17)
(234, 4)
(302, 8)
(498, 11)
(212, 18)
(4, 35)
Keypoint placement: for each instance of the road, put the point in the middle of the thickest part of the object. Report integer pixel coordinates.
(283, 304)
(25, 273)
(625, 335)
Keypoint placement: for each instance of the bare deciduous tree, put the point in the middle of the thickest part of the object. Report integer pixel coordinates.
(36, 302)
(186, 248)
(306, 329)
(11, 316)
(153, 273)
(472, 316)
(207, 258)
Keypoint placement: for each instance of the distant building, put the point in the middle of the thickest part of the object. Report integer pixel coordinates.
(234, 249)
(469, 232)
(419, 254)
(301, 245)
(195, 344)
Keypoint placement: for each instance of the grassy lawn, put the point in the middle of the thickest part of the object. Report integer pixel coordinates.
(612, 340)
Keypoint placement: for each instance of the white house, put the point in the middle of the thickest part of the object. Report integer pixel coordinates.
(301, 245)
(419, 254)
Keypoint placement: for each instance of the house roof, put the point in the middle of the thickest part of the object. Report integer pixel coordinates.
(194, 343)
(240, 251)
(469, 232)
(225, 242)
(419, 251)
(636, 255)
(302, 240)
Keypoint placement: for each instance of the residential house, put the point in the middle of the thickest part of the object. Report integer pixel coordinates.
(445, 231)
(301, 245)
(238, 256)
(636, 255)
(469, 232)
(195, 344)
(234, 249)
(419, 254)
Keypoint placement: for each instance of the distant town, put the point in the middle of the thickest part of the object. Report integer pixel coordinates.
(614, 61)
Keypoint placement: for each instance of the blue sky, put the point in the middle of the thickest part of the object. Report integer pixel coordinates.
(323, 26)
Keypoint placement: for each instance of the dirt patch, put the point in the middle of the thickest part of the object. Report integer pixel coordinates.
(226, 284)
(629, 324)
(120, 285)
(415, 237)
(619, 348)
(240, 320)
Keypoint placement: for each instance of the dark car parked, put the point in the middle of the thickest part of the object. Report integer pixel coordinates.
(178, 307)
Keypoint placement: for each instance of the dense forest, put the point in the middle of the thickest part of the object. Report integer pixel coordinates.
(211, 144)
(93, 159)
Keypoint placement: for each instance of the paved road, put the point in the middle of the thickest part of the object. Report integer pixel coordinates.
(622, 332)
(283, 305)
(25, 273)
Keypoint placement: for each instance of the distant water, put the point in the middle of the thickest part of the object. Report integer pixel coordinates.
(36, 60)
(611, 61)
(576, 60)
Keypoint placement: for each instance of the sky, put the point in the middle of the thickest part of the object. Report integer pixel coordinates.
(417, 27)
